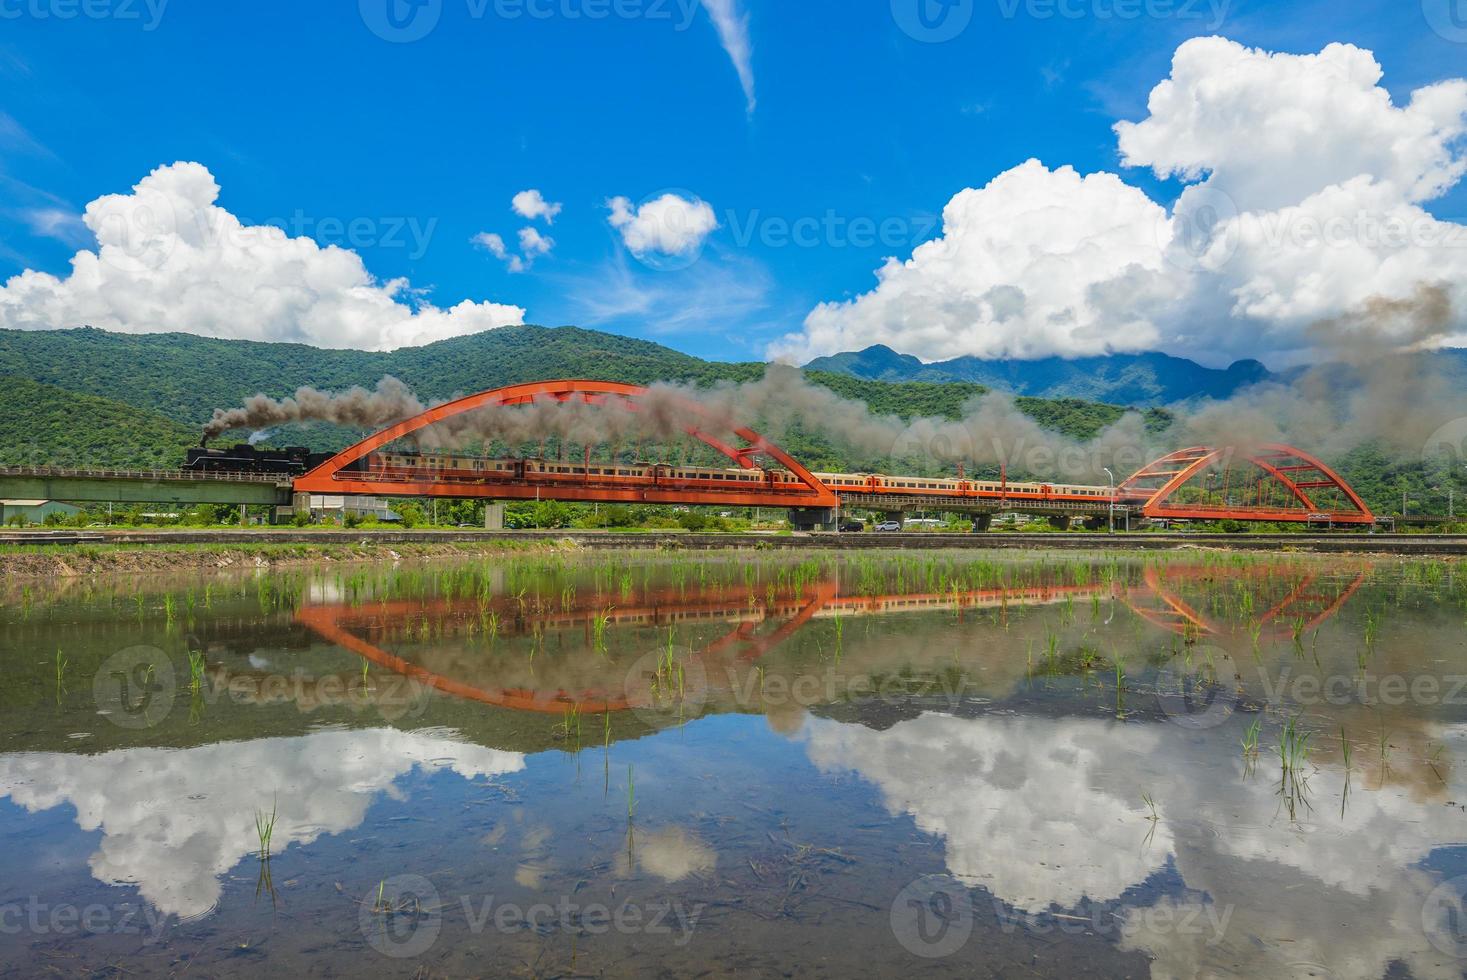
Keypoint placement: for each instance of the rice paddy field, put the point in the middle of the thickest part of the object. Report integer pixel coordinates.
(633, 763)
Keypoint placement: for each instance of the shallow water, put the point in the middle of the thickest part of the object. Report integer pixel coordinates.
(625, 765)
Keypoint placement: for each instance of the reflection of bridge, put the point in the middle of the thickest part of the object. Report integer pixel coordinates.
(369, 630)
(1270, 483)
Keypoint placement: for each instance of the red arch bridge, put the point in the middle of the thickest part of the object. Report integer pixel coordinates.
(1262, 483)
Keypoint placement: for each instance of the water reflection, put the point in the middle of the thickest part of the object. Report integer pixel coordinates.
(173, 821)
(1071, 739)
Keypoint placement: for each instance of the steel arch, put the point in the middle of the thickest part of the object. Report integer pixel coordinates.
(332, 476)
(1298, 472)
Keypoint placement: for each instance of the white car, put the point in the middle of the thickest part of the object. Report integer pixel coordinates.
(889, 526)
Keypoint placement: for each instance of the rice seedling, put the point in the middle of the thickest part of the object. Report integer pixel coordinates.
(195, 670)
(631, 794)
(1293, 746)
(61, 664)
(1345, 749)
(265, 829)
(1250, 739)
(598, 629)
(1150, 805)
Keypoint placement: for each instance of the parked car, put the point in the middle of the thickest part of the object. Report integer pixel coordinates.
(889, 526)
(852, 527)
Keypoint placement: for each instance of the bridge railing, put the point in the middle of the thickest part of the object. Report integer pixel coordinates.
(151, 476)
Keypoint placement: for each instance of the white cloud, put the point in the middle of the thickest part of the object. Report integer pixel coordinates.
(1273, 129)
(493, 243)
(176, 820)
(532, 246)
(58, 223)
(1016, 272)
(170, 259)
(732, 25)
(669, 225)
(532, 243)
(1044, 813)
(1305, 186)
(531, 204)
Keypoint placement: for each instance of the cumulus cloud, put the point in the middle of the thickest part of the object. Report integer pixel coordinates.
(1018, 271)
(1274, 129)
(732, 25)
(531, 204)
(169, 259)
(1305, 186)
(670, 225)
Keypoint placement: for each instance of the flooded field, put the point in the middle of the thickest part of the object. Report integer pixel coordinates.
(635, 764)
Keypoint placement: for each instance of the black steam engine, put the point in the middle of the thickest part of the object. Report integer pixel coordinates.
(243, 458)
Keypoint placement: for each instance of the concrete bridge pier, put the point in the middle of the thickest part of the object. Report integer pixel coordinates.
(1060, 522)
(494, 515)
(812, 518)
(982, 523)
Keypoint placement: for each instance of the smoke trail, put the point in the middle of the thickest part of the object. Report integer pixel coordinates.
(391, 402)
(1377, 381)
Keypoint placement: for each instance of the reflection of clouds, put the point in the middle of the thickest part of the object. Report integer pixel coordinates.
(1018, 800)
(671, 854)
(1043, 811)
(174, 820)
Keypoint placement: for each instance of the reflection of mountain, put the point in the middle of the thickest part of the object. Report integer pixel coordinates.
(174, 820)
(1050, 812)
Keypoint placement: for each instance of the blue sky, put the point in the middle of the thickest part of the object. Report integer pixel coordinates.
(406, 151)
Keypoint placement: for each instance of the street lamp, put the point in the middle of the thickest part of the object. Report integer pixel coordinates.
(1112, 477)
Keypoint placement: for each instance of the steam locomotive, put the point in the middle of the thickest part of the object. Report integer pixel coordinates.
(244, 458)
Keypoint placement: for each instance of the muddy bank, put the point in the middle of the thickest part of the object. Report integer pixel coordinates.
(85, 560)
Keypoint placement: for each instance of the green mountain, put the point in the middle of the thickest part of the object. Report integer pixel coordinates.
(1125, 379)
(43, 425)
(183, 378)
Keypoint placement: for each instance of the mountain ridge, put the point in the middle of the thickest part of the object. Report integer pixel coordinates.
(1143, 380)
